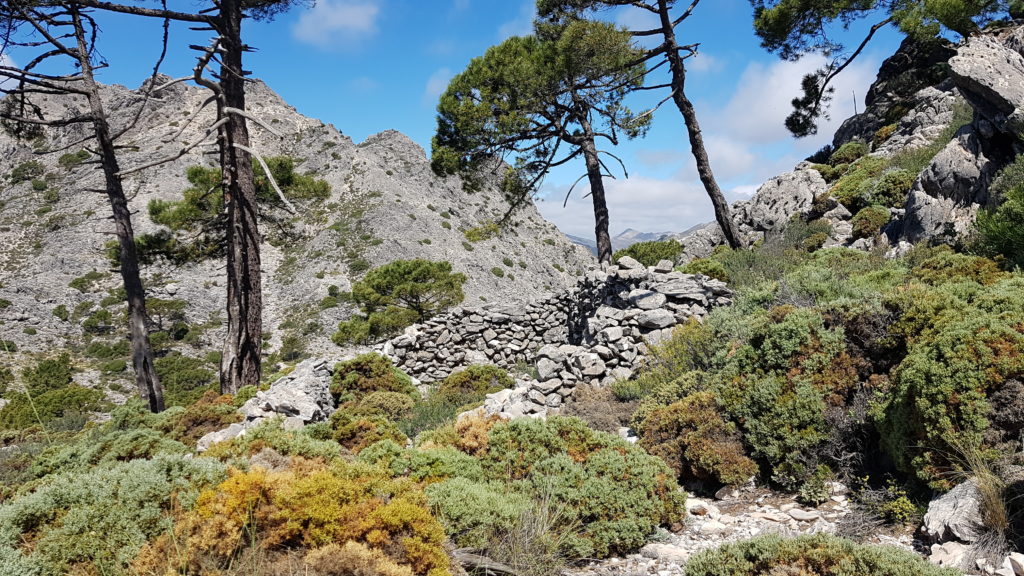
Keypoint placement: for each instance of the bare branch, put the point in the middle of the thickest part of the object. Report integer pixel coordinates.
(213, 128)
(244, 114)
(270, 177)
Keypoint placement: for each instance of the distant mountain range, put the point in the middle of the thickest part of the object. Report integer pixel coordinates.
(624, 239)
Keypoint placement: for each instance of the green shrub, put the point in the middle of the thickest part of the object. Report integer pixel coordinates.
(472, 384)
(429, 464)
(61, 312)
(650, 253)
(485, 231)
(357, 432)
(855, 187)
(72, 401)
(87, 282)
(48, 375)
(817, 555)
(848, 153)
(96, 521)
(892, 188)
(368, 373)
(939, 399)
(473, 512)
(72, 159)
(612, 492)
(497, 271)
(4, 303)
(708, 267)
(1000, 230)
(271, 435)
(391, 405)
(884, 133)
(107, 350)
(868, 222)
(397, 295)
(828, 172)
(26, 171)
(692, 437)
(185, 379)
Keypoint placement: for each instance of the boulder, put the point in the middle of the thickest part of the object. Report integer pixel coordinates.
(991, 75)
(778, 199)
(646, 299)
(629, 263)
(956, 515)
(656, 319)
(945, 199)
(230, 433)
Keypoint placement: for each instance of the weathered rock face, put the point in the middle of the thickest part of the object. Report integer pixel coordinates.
(915, 66)
(385, 204)
(945, 199)
(989, 74)
(777, 200)
(916, 97)
(302, 397)
(956, 515)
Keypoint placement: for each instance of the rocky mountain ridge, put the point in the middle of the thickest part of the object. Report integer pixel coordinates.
(385, 204)
(952, 114)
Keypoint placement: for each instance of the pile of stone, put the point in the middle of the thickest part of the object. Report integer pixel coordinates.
(597, 331)
(299, 398)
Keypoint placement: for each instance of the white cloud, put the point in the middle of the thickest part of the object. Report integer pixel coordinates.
(747, 144)
(522, 24)
(635, 19)
(702, 62)
(336, 23)
(436, 85)
(6, 60)
(645, 204)
(757, 110)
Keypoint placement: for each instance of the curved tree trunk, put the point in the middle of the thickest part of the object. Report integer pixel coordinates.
(589, 147)
(240, 363)
(722, 213)
(146, 380)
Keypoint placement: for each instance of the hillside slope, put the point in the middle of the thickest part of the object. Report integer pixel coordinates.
(385, 204)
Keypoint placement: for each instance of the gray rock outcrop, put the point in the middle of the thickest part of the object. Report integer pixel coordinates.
(956, 515)
(989, 73)
(299, 398)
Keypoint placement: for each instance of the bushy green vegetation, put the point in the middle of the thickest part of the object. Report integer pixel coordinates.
(72, 159)
(837, 353)
(652, 252)
(606, 495)
(196, 224)
(1000, 231)
(26, 171)
(397, 295)
(49, 397)
(818, 555)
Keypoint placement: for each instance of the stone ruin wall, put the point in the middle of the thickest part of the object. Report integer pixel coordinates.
(597, 333)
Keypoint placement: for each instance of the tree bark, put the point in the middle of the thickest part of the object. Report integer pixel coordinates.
(675, 61)
(146, 380)
(240, 363)
(589, 147)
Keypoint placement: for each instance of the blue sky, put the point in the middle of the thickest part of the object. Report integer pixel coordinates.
(371, 65)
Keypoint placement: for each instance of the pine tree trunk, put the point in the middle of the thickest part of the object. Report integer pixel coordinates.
(146, 380)
(604, 240)
(240, 363)
(675, 61)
